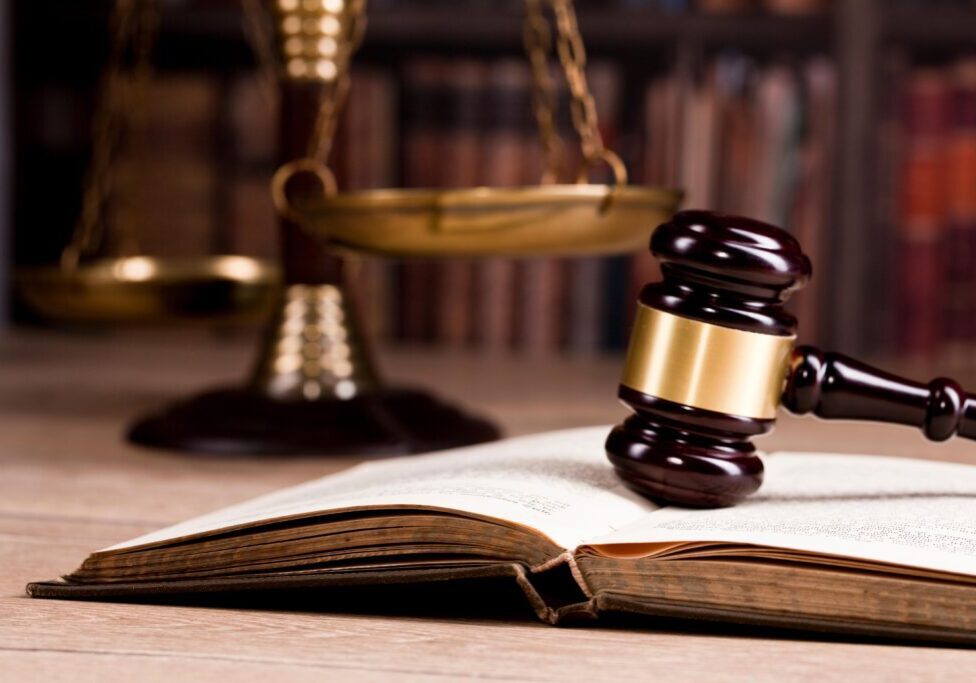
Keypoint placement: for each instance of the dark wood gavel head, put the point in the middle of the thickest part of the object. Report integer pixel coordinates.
(708, 357)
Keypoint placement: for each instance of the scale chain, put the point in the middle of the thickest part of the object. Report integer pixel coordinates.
(572, 58)
(333, 100)
(132, 24)
(260, 37)
(538, 44)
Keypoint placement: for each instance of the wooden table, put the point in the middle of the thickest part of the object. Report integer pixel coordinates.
(70, 485)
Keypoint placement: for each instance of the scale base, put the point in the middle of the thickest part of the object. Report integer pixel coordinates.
(247, 422)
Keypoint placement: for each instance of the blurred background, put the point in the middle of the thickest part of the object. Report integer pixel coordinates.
(852, 124)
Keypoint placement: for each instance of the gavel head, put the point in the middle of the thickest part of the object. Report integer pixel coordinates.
(708, 359)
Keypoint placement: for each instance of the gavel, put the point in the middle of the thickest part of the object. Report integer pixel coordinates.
(711, 358)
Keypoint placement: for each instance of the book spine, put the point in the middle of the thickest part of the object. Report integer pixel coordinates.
(252, 124)
(423, 148)
(797, 203)
(509, 108)
(740, 130)
(170, 161)
(777, 111)
(371, 118)
(922, 202)
(814, 199)
(540, 282)
(588, 296)
(881, 273)
(661, 162)
(960, 239)
(620, 122)
(698, 148)
(383, 142)
(460, 167)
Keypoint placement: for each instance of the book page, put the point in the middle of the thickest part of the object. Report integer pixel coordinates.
(558, 483)
(909, 512)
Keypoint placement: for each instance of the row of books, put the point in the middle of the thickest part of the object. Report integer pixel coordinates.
(468, 123)
(926, 235)
(736, 134)
(754, 139)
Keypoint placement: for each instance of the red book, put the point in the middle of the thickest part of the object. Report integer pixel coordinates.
(660, 164)
(881, 273)
(540, 283)
(925, 119)
(423, 148)
(587, 277)
(811, 211)
(167, 174)
(460, 166)
(504, 160)
(371, 120)
(960, 188)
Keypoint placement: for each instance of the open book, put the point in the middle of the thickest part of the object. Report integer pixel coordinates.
(862, 544)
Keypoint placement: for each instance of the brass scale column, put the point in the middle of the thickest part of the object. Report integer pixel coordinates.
(314, 387)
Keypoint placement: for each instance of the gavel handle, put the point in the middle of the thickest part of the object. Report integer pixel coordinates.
(834, 386)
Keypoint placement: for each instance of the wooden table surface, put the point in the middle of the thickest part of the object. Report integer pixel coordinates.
(70, 485)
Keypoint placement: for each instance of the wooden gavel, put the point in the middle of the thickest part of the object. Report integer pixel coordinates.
(712, 357)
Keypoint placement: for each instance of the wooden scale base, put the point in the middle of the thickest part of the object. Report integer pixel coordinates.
(314, 390)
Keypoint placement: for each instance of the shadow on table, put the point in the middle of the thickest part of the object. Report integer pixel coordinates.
(488, 601)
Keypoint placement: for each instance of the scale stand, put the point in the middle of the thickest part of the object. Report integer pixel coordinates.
(314, 388)
(314, 391)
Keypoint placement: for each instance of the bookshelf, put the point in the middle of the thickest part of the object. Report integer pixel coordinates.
(196, 36)
(606, 32)
(855, 34)
(947, 28)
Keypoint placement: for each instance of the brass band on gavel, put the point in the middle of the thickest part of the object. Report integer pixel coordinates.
(706, 366)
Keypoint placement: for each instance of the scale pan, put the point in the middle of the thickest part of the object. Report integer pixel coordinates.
(542, 220)
(144, 289)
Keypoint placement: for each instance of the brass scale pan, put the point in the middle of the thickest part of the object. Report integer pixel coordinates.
(548, 220)
(94, 287)
(539, 220)
(146, 289)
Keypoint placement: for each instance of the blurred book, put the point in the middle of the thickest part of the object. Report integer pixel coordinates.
(460, 166)
(423, 148)
(811, 212)
(371, 142)
(166, 174)
(591, 279)
(252, 128)
(507, 161)
(926, 107)
(959, 295)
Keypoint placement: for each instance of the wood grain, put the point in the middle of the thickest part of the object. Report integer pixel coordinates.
(70, 485)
